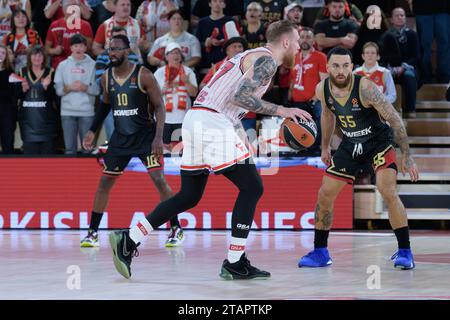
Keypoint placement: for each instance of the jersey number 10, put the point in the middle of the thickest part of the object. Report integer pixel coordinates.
(122, 100)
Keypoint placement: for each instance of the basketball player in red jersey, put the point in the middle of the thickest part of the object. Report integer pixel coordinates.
(212, 132)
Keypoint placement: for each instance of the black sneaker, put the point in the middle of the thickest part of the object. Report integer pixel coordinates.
(241, 270)
(124, 249)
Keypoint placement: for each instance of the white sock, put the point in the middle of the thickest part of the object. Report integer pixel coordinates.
(236, 249)
(139, 231)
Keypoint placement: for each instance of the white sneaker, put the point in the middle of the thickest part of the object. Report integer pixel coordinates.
(176, 237)
(91, 240)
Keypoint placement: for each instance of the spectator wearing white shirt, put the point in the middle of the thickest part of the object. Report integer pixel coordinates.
(178, 84)
(189, 44)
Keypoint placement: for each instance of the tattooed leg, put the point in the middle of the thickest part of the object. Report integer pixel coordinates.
(328, 192)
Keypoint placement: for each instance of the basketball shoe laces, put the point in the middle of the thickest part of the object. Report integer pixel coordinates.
(134, 251)
(173, 232)
(247, 264)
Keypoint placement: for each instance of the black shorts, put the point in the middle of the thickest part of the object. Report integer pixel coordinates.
(121, 148)
(349, 158)
(169, 129)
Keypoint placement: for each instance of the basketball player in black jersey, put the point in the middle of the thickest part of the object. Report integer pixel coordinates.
(363, 114)
(129, 90)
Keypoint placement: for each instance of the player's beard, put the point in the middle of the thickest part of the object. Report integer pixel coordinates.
(305, 46)
(118, 62)
(339, 83)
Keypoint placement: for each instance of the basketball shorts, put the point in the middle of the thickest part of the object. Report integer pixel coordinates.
(349, 158)
(172, 133)
(210, 142)
(121, 148)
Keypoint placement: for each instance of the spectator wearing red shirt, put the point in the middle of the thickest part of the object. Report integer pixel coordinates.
(57, 43)
(121, 18)
(54, 9)
(310, 68)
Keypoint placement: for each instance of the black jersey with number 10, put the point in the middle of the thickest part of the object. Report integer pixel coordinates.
(129, 102)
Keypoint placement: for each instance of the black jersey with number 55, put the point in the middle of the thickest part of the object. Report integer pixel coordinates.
(357, 123)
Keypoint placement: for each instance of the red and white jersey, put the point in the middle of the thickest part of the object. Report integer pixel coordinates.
(219, 91)
(376, 74)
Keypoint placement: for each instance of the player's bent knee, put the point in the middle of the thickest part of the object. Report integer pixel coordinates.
(326, 195)
(188, 199)
(106, 183)
(259, 189)
(388, 194)
(254, 189)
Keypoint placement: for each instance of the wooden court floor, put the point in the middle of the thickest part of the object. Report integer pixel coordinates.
(50, 265)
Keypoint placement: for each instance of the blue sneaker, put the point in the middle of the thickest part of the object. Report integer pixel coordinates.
(319, 257)
(403, 259)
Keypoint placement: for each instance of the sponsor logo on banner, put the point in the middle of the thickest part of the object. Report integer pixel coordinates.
(70, 184)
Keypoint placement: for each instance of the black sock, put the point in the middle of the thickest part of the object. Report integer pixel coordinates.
(321, 238)
(95, 220)
(174, 222)
(191, 191)
(402, 235)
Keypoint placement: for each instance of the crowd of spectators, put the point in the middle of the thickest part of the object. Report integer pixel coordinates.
(53, 53)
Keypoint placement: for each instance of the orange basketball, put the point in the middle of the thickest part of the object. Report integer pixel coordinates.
(298, 136)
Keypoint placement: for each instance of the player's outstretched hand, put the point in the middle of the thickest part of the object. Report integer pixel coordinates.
(157, 147)
(88, 140)
(408, 165)
(293, 113)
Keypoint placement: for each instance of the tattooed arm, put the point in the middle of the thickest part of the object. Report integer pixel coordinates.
(258, 75)
(371, 96)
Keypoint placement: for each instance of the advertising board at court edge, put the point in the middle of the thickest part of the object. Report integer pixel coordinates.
(57, 193)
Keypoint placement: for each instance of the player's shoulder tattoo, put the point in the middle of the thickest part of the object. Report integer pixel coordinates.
(264, 69)
(372, 96)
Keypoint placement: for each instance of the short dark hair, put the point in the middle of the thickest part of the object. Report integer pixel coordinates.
(77, 39)
(123, 38)
(278, 28)
(174, 12)
(340, 51)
